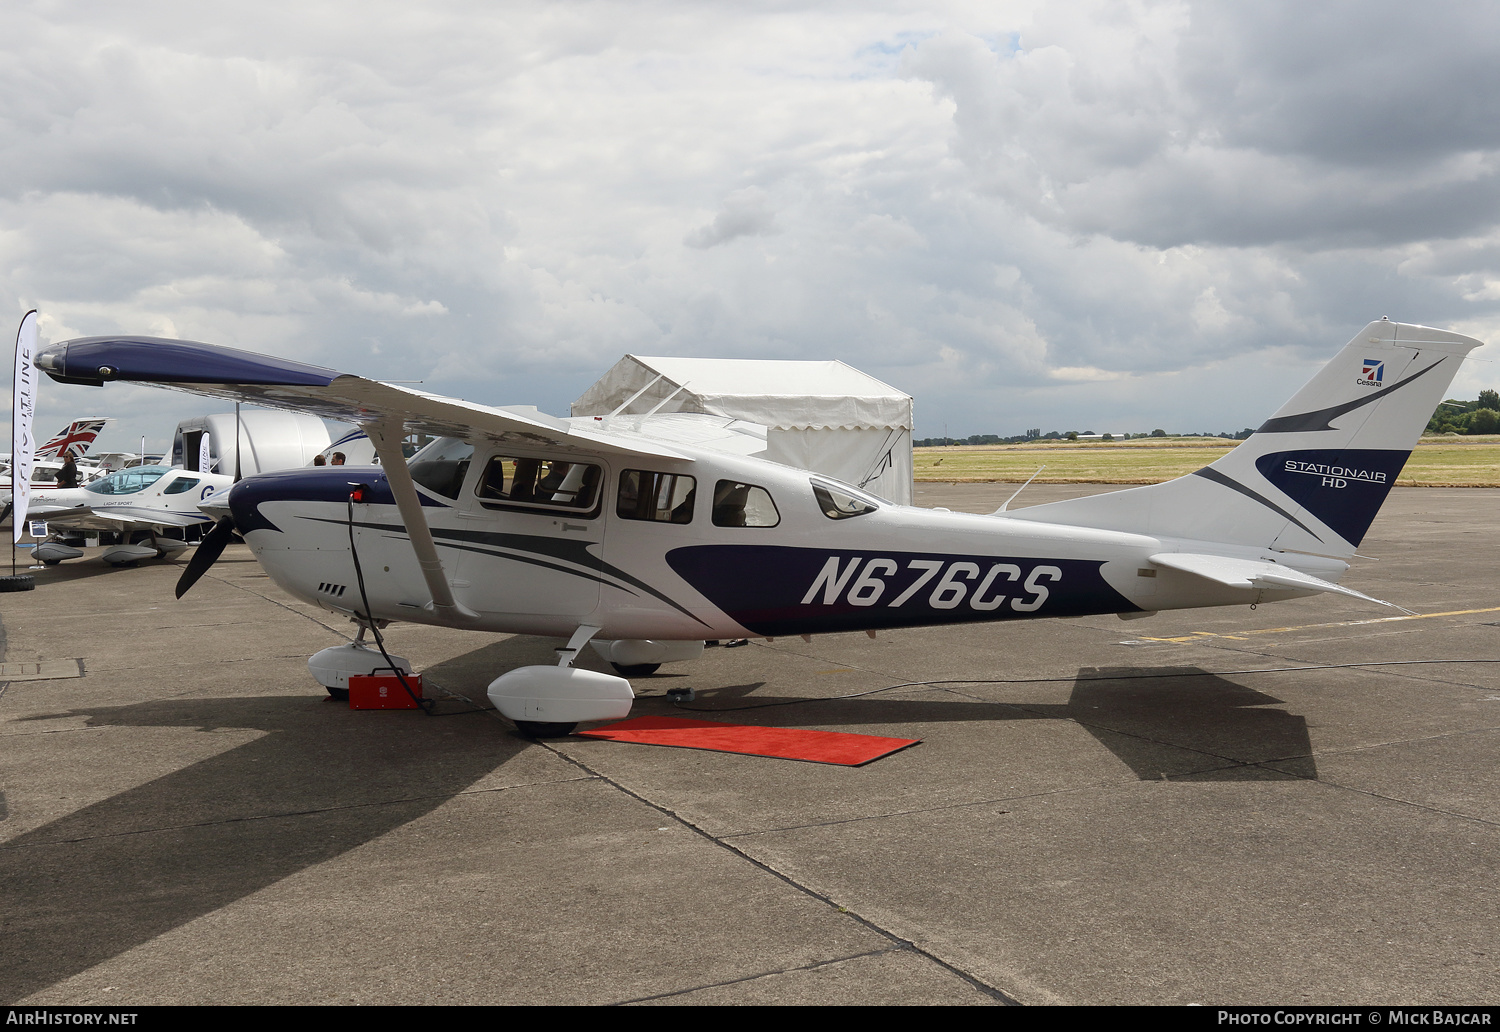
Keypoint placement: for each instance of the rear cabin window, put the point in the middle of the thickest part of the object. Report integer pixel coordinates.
(525, 483)
(656, 497)
(180, 485)
(743, 505)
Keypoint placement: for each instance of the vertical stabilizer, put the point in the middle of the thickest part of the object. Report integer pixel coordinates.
(75, 439)
(1315, 474)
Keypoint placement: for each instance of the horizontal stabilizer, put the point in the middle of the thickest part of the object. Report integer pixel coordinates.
(1253, 573)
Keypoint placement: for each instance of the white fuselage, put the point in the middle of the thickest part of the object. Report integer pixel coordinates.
(145, 496)
(702, 569)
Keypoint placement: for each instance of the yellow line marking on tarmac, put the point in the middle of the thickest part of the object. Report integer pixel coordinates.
(1199, 635)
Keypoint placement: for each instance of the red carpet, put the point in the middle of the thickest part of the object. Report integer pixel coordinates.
(781, 742)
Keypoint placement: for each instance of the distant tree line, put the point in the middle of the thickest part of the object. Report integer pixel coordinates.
(1066, 435)
(1480, 416)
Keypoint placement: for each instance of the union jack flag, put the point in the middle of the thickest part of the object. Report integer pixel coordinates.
(74, 440)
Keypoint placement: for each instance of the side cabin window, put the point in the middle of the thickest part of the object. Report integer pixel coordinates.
(180, 485)
(743, 505)
(841, 503)
(442, 466)
(656, 497)
(550, 484)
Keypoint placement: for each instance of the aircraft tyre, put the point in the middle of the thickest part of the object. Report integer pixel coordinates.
(636, 669)
(340, 694)
(543, 729)
(18, 582)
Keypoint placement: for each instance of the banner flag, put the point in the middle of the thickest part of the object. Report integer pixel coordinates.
(23, 406)
(205, 453)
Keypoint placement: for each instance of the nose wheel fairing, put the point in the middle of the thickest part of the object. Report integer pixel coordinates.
(333, 667)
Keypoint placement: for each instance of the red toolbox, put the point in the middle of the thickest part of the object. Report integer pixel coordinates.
(383, 691)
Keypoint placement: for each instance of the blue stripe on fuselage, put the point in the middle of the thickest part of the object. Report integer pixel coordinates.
(308, 484)
(776, 590)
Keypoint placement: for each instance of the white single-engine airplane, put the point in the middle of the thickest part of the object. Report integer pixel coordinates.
(528, 524)
(140, 498)
(148, 499)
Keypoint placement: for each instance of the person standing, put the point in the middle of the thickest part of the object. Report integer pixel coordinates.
(68, 476)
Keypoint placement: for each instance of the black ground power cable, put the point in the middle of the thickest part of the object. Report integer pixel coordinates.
(425, 705)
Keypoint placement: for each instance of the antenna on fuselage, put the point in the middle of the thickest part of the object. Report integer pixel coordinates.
(1012, 498)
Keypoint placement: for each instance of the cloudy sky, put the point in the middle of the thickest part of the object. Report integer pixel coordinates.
(1110, 216)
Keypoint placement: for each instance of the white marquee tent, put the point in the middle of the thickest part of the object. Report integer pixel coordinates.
(823, 416)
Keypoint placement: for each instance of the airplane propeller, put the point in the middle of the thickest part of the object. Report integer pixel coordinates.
(206, 554)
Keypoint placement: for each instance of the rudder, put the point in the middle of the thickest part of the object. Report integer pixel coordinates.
(1314, 475)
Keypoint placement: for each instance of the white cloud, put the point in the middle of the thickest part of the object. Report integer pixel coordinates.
(744, 213)
(1084, 374)
(1023, 213)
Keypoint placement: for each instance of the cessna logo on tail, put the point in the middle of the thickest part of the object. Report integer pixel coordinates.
(1372, 374)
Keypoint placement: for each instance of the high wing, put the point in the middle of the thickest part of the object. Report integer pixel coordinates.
(727, 434)
(386, 413)
(221, 372)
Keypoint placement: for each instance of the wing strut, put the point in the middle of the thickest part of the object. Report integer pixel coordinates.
(386, 435)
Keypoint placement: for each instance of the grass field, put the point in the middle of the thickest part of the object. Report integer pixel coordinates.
(1436, 462)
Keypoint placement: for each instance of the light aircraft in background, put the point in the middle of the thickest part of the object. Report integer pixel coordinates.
(142, 502)
(529, 524)
(110, 461)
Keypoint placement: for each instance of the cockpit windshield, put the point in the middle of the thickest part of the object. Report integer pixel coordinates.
(128, 481)
(442, 466)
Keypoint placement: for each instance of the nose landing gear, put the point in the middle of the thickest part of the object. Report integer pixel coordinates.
(333, 667)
